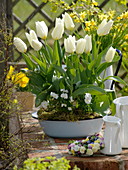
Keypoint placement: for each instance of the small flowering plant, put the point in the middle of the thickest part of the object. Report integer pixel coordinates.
(86, 147)
(69, 77)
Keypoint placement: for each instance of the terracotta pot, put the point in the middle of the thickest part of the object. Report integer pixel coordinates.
(65, 129)
(26, 100)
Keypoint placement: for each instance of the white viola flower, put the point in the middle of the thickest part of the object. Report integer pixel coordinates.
(82, 149)
(58, 30)
(41, 29)
(44, 104)
(63, 105)
(110, 54)
(76, 148)
(80, 46)
(64, 96)
(37, 45)
(69, 108)
(71, 99)
(69, 44)
(63, 90)
(101, 103)
(20, 45)
(68, 22)
(95, 149)
(88, 98)
(54, 95)
(108, 111)
(89, 152)
(97, 145)
(88, 43)
(104, 27)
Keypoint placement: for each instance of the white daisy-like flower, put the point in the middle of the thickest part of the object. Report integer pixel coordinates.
(88, 98)
(64, 96)
(44, 104)
(69, 108)
(54, 95)
(63, 105)
(82, 149)
(89, 152)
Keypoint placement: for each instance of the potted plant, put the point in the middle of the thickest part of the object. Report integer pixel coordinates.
(69, 77)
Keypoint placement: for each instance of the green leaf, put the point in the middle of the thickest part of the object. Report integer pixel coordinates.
(103, 66)
(56, 59)
(31, 65)
(115, 78)
(40, 63)
(94, 90)
(40, 98)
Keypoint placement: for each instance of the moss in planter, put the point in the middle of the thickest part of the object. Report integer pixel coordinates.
(68, 116)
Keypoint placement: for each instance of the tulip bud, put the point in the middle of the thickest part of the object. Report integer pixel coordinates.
(88, 44)
(20, 45)
(104, 27)
(58, 30)
(37, 45)
(68, 22)
(110, 54)
(80, 47)
(41, 29)
(69, 44)
(31, 36)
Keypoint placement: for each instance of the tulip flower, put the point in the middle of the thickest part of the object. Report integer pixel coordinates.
(80, 47)
(58, 30)
(68, 22)
(31, 36)
(88, 44)
(20, 45)
(104, 27)
(37, 45)
(69, 44)
(41, 29)
(110, 54)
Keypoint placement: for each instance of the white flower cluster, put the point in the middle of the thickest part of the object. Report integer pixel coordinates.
(88, 146)
(87, 98)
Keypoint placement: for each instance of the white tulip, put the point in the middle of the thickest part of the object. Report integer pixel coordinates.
(110, 54)
(68, 22)
(31, 36)
(58, 30)
(88, 44)
(37, 45)
(41, 29)
(104, 27)
(80, 47)
(69, 44)
(20, 45)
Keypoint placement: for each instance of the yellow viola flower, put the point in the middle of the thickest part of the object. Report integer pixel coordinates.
(11, 70)
(24, 81)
